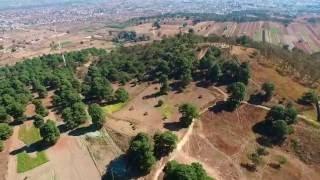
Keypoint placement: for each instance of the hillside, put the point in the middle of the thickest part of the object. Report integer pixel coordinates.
(149, 110)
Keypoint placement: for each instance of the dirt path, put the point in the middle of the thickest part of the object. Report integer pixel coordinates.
(183, 141)
(179, 147)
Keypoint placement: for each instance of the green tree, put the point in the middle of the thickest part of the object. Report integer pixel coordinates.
(164, 143)
(268, 89)
(140, 153)
(238, 92)
(97, 87)
(195, 171)
(121, 95)
(74, 116)
(97, 115)
(5, 131)
(188, 113)
(38, 121)
(49, 132)
(288, 114)
(4, 117)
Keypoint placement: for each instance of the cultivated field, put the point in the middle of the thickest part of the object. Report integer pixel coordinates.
(300, 34)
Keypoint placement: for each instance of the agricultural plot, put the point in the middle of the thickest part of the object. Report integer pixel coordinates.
(302, 35)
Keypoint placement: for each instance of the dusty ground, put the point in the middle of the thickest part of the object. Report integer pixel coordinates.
(142, 113)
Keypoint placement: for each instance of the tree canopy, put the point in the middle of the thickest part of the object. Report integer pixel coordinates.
(75, 115)
(164, 143)
(237, 92)
(49, 132)
(195, 171)
(97, 115)
(140, 153)
(188, 112)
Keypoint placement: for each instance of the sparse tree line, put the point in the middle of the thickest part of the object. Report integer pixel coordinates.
(293, 62)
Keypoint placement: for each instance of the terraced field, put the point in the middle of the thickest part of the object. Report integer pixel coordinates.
(299, 34)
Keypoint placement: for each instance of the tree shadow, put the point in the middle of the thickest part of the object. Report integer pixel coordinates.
(34, 147)
(204, 84)
(176, 86)
(219, 107)
(117, 169)
(153, 95)
(256, 99)
(63, 128)
(267, 138)
(83, 130)
(173, 126)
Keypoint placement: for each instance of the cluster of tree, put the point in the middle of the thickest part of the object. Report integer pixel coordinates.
(288, 62)
(142, 153)
(195, 171)
(129, 36)
(264, 95)
(172, 58)
(278, 121)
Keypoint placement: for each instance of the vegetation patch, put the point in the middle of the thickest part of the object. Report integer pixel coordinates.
(27, 162)
(109, 109)
(166, 110)
(29, 135)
